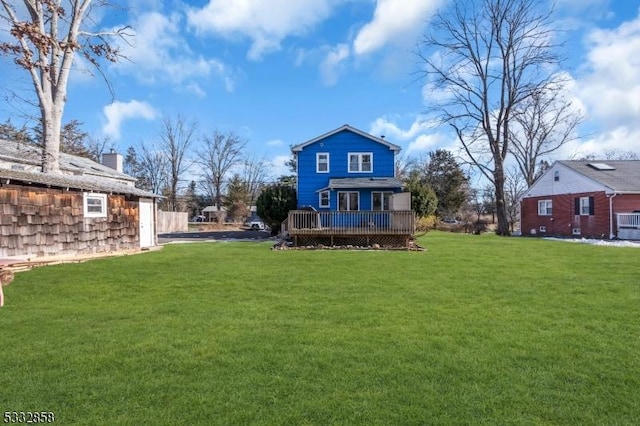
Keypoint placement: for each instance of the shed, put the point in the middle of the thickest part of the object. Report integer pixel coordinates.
(87, 208)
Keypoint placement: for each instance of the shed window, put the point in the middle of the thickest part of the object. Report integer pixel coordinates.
(324, 199)
(360, 162)
(95, 205)
(348, 201)
(545, 208)
(322, 162)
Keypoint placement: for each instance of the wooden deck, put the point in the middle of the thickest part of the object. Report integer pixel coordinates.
(351, 227)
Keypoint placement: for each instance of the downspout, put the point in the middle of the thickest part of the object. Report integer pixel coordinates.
(611, 235)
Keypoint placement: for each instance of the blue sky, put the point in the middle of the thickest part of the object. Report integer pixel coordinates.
(279, 72)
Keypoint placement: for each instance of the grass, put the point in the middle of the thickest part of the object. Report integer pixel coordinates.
(475, 330)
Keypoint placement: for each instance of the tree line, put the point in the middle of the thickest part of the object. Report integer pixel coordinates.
(492, 68)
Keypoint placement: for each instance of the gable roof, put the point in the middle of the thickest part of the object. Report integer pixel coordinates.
(77, 172)
(346, 127)
(619, 175)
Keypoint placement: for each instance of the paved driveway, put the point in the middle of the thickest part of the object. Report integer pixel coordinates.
(215, 235)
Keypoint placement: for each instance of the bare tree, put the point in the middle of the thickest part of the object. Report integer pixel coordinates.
(515, 187)
(481, 62)
(152, 170)
(97, 146)
(220, 152)
(255, 173)
(47, 36)
(176, 137)
(544, 122)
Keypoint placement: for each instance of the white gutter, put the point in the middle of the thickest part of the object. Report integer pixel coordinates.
(611, 235)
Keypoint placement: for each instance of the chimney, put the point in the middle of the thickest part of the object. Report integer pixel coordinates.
(113, 160)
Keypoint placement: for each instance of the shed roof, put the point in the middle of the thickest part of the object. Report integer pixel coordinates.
(85, 183)
(300, 147)
(619, 175)
(77, 172)
(25, 154)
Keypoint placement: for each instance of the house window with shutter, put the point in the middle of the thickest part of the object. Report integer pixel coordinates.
(584, 206)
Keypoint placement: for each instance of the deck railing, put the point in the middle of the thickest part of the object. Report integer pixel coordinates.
(629, 220)
(385, 222)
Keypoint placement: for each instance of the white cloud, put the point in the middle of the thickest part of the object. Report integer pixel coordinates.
(394, 21)
(278, 165)
(611, 87)
(391, 131)
(159, 53)
(275, 142)
(333, 63)
(117, 112)
(265, 23)
(420, 136)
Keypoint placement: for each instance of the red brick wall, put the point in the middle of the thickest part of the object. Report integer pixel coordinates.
(564, 219)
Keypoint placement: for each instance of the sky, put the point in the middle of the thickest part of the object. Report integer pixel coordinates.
(280, 72)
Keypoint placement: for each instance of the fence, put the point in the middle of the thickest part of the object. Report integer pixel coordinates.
(172, 222)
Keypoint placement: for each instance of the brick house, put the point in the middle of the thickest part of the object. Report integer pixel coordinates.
(592, 199)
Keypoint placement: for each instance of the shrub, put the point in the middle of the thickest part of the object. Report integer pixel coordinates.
(425, 223)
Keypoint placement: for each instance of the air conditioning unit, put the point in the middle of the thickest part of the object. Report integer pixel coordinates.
(575, 231)
(543, 229)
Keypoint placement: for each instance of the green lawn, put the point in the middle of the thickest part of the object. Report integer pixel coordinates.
(474, 330)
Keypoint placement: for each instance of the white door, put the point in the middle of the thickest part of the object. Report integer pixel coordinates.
(146, 222)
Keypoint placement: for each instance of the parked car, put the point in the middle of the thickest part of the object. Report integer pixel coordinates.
(199, 218)
(451, 221)
(256, 225)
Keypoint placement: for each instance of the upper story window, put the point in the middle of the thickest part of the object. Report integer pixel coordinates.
(322, 162)
(545, 208)
(360, 162)
(95, 205)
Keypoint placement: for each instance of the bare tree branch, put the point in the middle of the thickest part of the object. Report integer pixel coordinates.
(482, 60)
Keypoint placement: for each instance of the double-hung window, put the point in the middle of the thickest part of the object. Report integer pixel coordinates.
(360, 162)
(545, 208)
(95, 205)
(348, 201)
(381, 200)
(323, 199)
(322, 162)
(585, 206)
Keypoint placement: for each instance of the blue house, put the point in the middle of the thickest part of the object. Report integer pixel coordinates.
(347, 187)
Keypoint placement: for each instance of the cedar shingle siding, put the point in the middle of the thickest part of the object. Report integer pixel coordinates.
(41, 221)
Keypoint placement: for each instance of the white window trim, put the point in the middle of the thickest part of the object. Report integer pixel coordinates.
(101, 197)
(359, 154)
(584, 205)
(348, 201)
(318, 154)
(320, 199)
(548, 205)
(382, 193)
